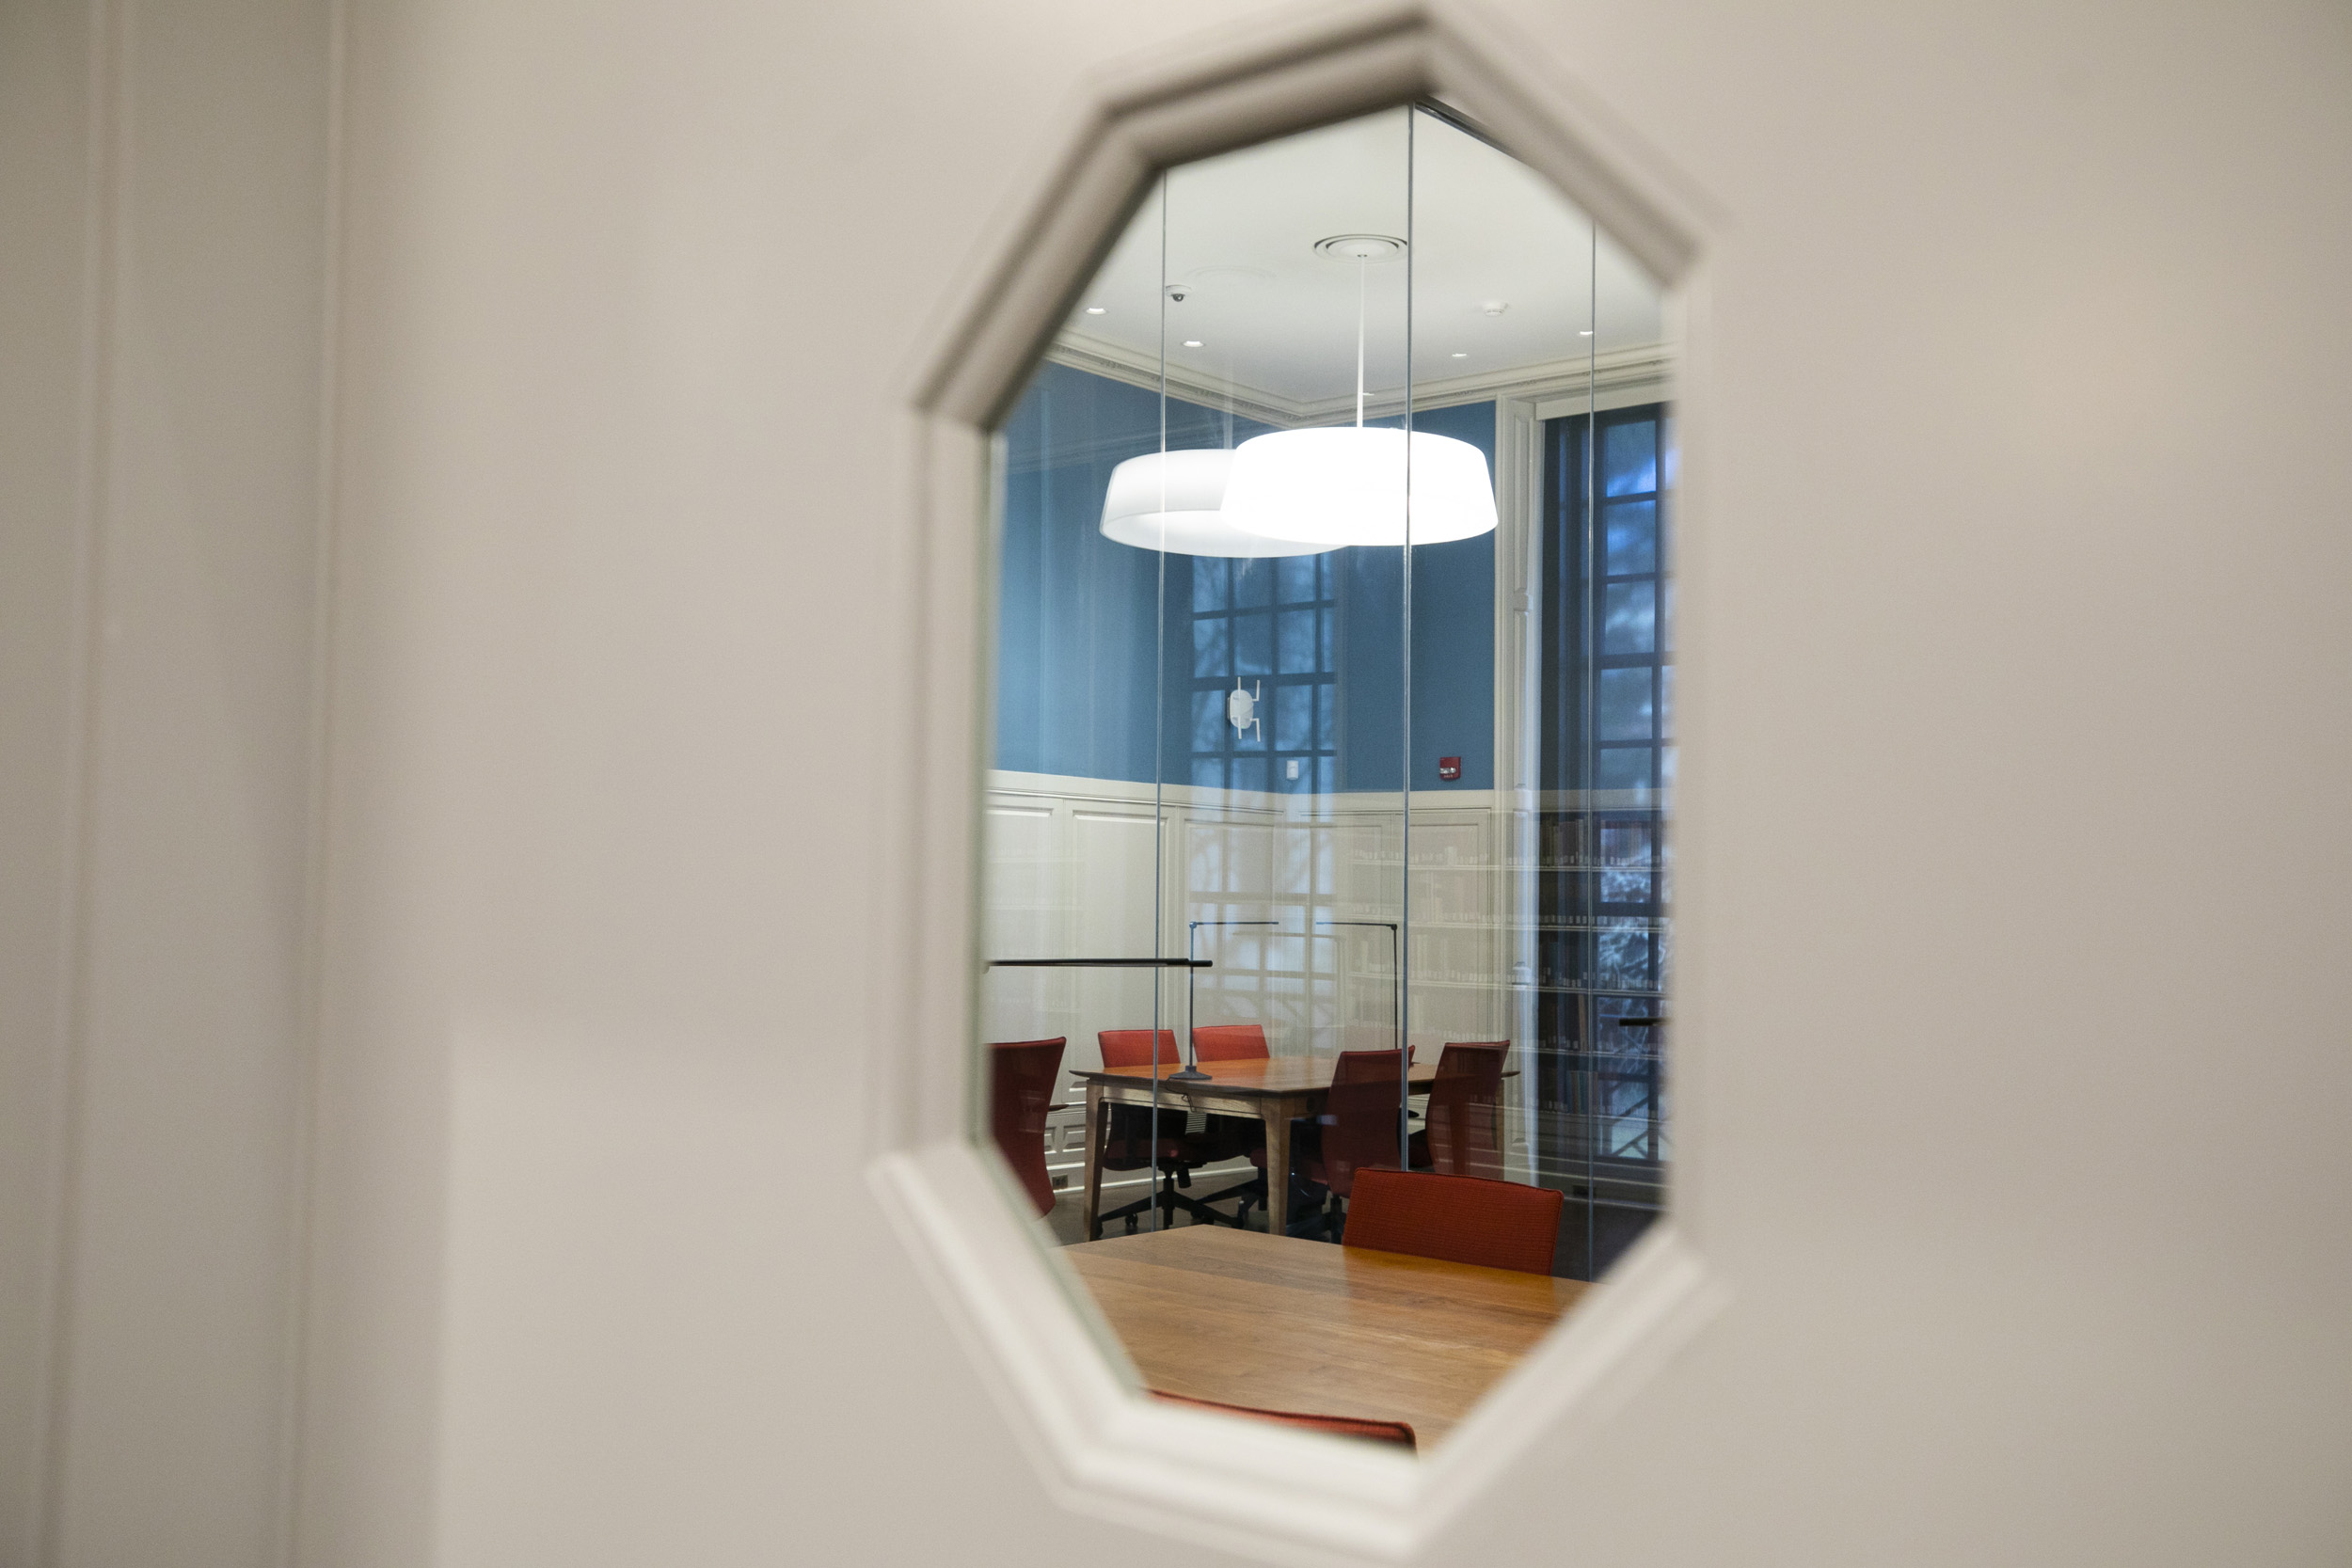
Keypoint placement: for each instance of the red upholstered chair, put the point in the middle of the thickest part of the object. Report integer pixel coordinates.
(1232, 1042)
(1020, 1092)
(1132, 1048)
(1397, 1433)
(1463, 1135)
(1133, 1140)
(1229, 1042)
(1460, 1219)
(1358, 1128)
(1359, 1124)
(1235, 1135)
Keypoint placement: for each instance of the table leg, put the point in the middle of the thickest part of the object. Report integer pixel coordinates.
(1277, 1115)
(1093, 1227)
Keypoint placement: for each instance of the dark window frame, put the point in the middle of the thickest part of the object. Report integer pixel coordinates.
(1602, 926)
(1319, 764)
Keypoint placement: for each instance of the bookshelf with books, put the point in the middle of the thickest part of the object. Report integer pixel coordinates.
(1603, 944)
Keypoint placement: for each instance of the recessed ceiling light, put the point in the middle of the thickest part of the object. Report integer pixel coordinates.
(1584, 332)
(1094, 310)
(1192, 342)
(1462, 355)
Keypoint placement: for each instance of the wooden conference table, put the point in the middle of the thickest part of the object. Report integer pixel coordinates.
(1288, 1325)
(1274, 1089)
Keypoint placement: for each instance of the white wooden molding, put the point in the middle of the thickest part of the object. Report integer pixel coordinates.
(1241, 804)
(1065, 1386)
(1621, 378)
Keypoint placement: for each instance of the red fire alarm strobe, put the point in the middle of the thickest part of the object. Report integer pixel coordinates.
(1449, 769)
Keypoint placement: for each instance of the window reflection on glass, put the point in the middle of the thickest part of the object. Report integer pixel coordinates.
(1608, 779)
(1206, 839)
(1632, 537)
(1629, 622)
(1630, 458)
(1628, 708)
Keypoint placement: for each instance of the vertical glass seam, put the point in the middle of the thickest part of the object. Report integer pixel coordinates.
(1404, 901)
(1159, 743)
(1588, 1004)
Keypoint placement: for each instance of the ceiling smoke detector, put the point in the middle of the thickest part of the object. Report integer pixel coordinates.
(1360, 247)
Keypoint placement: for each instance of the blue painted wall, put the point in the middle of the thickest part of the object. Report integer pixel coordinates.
(1454, 646)
(1079, 614)
(1076, 613)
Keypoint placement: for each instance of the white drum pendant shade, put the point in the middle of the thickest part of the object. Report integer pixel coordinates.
(1345, 485)
(1172, 500)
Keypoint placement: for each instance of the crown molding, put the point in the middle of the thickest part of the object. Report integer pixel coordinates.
(1614, 380)
(1647, 367)
(1114, 363)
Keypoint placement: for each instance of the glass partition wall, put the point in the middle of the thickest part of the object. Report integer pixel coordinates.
(1331, 686)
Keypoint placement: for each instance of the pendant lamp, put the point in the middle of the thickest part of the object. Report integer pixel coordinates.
(1173, 501)
(1347, 484)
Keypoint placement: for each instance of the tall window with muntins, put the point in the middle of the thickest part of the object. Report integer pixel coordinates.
(1609, 768)
(1634, 667)
(1264, 626)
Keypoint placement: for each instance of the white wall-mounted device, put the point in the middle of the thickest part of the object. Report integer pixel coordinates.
(1241, 707)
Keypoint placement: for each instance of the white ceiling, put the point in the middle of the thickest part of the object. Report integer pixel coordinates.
(1276, 323)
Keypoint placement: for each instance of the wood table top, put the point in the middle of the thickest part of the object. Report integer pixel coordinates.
(1256, 1075)
(1290, 1325)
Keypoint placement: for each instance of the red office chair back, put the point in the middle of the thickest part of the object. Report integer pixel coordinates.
(1132, 1048)
(1137, 1136)
(1021, 1088)
(1229, 1042)
(1460, 1219)
(1465, 1120)
(1360, 1115)
(1398, 1432)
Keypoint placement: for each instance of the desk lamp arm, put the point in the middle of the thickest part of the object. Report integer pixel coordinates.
(1396, 1009)
(1191, 1072)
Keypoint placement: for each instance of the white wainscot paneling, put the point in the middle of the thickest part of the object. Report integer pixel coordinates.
(1070, 871)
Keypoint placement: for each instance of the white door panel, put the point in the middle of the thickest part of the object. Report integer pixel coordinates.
(2015, 1114)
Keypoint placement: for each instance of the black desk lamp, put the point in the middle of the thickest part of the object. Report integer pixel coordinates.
(1191, 1072)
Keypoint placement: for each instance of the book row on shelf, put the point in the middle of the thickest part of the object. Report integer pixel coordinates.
(1641, 859)
(1635, 1051)
(1587, 841)
(1290, 920)
(1633, 975)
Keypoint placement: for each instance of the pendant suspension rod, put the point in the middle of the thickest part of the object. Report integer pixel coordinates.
(1362, 263)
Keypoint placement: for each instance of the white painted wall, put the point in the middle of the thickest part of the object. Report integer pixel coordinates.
(164, 177)
(2014, 681)
(43, 190)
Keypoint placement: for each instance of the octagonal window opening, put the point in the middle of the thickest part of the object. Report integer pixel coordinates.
(1324, 868)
